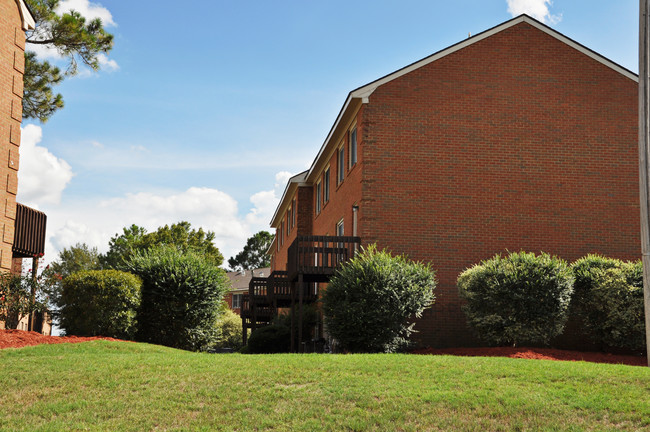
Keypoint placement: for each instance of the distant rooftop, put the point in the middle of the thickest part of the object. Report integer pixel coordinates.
(239, 280)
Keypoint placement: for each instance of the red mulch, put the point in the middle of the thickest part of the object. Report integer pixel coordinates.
(21, 338)
(539, 354)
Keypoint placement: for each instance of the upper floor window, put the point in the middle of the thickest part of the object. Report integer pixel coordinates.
(353, 147)
(318, 197)
(281, 232)
(339, 229)
(341, 165)
(326, 185)
(293, 213)
(289, 221)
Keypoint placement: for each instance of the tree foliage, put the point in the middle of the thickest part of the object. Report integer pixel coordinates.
(180, 236)
(99, 303)
(74, 259)
(608, 299)
(20, 295)
(75, 39)
(370, 303)
(181, 294)
(254, 254)
(518, 298)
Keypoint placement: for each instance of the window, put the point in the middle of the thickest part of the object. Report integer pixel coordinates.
(353, 147)
(293, 213)
(339, 229)
(318, 197)
(288, 221)
(281, 232)
(236, 301)
(326, 185)
(341, 166)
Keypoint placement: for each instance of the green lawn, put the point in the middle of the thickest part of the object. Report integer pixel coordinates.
(128, 386)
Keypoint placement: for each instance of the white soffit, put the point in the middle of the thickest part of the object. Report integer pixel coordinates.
(28, 20)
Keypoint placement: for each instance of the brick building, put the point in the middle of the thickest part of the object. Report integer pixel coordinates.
(517, 138)
(22, 228)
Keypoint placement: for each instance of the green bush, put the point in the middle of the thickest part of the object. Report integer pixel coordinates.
(99, 302)
(274, 338)
(19, 297)
(181, 294)
(370, 303)
(229, 328)
(521, 298)
(608, 299)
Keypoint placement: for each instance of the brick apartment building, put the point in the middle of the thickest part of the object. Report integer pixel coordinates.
(517, 138)
(23, 228)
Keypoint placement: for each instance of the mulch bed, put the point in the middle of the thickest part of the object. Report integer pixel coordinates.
(22, 338)
(539, 354)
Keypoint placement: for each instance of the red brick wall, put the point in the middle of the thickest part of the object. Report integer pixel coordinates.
(12, 46)
(344, 195)
(515, 142)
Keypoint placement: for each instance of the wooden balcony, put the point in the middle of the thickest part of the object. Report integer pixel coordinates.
(316, 258)
(29, 232)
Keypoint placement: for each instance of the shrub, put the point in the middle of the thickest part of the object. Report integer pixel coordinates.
(99, 302)
(608, 299)
(181, 294)
(274, 338)
(371, 301)
(518, 298)
(19, 296)
(229, 328)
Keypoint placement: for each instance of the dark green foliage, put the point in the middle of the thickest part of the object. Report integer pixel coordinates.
(180, 236)
(370, 303)
(39, 101)
(181, 295)
(278, 338)
(608, 299)
(254, 255)
(516, 299)
(74, 39)
(274, 338)
(99, 303)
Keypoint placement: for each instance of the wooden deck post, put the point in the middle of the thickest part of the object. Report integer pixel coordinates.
(301, 294)
(244, 331)
(293, 317)
(644, 156)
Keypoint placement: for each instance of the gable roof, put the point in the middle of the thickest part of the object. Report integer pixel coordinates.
(364, 92)
(28, 19)
(292, 185)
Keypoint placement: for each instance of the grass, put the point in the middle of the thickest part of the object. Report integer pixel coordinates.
(127, 386)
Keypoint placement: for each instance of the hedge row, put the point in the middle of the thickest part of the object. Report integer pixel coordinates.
(527, 298)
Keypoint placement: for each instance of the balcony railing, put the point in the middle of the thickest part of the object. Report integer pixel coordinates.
(318, 257)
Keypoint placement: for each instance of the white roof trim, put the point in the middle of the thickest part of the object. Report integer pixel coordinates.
(365, 91)
(28, 20)
(368, 89)
(299, 179)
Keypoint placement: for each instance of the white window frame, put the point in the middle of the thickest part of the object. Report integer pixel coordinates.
(319, 196)
(340, 156)
(353, 148)
(326, 185)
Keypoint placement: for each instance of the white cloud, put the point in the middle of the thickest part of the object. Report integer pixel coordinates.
(538, 9)
(97, 144)
(94, 223)
(88, 10)
(42, 177)
(106, 63)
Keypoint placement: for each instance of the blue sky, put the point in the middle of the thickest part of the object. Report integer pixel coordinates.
(203, 109)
